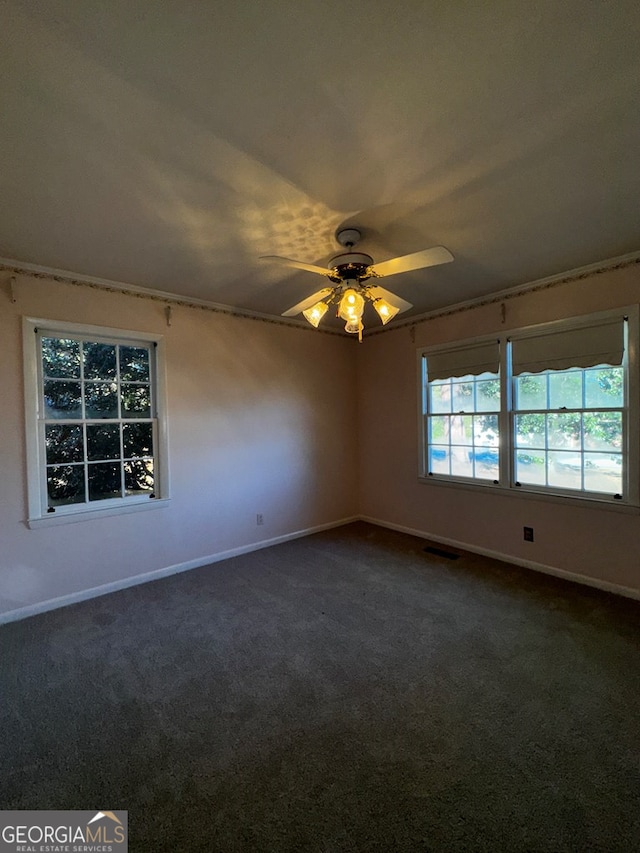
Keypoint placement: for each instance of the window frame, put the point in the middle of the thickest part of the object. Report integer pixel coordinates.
(506, 483)
(38, 514)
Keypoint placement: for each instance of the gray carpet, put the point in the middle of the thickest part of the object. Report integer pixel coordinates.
(344, 692)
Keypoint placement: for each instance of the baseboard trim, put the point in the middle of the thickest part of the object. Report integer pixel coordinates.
(167, 571)
(585, 580)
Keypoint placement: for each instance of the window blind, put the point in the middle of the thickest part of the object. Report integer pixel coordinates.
(584, 347)
(464, 361)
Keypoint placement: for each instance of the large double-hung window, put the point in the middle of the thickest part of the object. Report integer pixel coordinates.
(95, 427)
(549, 410)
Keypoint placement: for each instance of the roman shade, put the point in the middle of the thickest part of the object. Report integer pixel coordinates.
(464, 361)
(587, 346)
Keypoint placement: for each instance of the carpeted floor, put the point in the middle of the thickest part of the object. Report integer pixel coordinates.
(344, 692)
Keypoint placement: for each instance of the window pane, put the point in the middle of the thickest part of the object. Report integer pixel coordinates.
(63, 443)
(604, 388)
(530, 468)
(603, 431)
(603, 472)
(462, 396)
(65, 484)
(485, 430)
(530, 431)
(564, 430)
(104, 481)
(101, 399)
(136, 401)
(61, 358)
(564, 469)
(134, 364)
(488, 396)
(99, 360)
(440, 429)
(137, 439)
(138, 476)
(461, 429)
(103, 441)
(531, 392)
(62, 399)
(485, 461)
(440, 397)
(565, 389)
(438, 459)
(462, 462)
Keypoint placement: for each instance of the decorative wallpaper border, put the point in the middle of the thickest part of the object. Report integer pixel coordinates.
(167, 299)
(514, 293)
(170, 300)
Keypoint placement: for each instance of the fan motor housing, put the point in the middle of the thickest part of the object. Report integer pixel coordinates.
(350, 265)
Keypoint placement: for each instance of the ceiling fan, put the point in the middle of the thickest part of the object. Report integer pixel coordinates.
(348, 271)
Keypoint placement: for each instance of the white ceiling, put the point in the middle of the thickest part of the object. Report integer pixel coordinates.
(170, 144)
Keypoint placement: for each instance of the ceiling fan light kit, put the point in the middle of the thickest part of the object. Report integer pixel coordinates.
(347, 272)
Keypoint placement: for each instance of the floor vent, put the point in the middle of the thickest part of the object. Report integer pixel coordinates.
(440, 552)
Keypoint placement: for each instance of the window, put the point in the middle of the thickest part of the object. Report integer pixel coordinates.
(94, 428)
(463, 408)
(568, 429)
(552, 410)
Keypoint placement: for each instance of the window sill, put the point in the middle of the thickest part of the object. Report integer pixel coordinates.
(53, 520)
(608, 505)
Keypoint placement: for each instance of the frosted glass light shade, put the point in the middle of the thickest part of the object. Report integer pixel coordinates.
(386, 311)
(354, 327)
(314, 314)
(351, 305)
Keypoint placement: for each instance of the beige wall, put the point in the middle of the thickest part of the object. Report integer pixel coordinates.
(265, 418)
(261, 420)
(600, 544)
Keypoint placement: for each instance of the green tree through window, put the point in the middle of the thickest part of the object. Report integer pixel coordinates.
(98, 424)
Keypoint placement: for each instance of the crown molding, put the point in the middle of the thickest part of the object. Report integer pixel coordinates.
(556, 280)
(67, 277)
(40, 271)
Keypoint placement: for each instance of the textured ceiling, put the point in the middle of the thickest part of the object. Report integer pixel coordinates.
(169, 145)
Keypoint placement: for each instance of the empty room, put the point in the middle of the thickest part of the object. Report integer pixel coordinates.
(320, 442)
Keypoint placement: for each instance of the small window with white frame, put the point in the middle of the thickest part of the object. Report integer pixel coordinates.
(95, 426)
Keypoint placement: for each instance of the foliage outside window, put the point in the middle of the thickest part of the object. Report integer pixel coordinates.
(95, 441)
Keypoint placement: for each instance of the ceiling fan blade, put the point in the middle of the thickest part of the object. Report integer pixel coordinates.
(397, 301)
(417, 261)
(299, 265)
(308, 302)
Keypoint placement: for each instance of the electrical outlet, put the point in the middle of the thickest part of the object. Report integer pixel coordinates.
(528, 534)
(259, 519)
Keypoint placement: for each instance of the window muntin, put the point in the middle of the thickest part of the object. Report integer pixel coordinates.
(569, 429)
(94, 437)
(463, 433)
